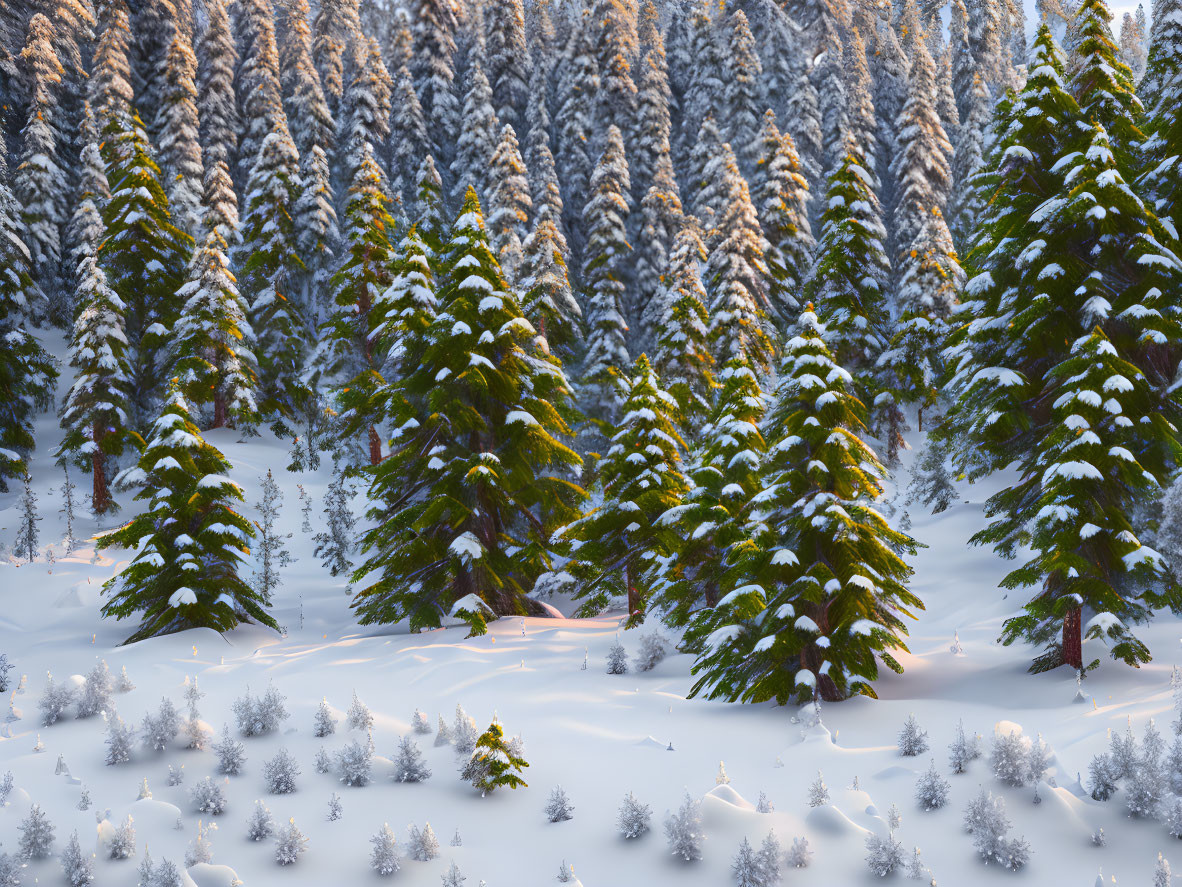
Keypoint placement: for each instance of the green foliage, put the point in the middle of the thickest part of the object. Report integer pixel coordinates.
(493, 764)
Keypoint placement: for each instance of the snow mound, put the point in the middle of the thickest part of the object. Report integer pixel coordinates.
(895, 771)
(149, 813)
(725, 794)
(652, 742)
(830, 820)
(206, 874)
(552, 611)
(80, 594)
(1007, 728)
(1070, 810)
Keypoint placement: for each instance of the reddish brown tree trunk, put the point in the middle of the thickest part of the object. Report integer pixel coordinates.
(100, 496)
(219, 411)
(633, 594)
(1073, 639)
(375, 446)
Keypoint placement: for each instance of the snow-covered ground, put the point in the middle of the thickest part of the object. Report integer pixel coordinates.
(598, 735)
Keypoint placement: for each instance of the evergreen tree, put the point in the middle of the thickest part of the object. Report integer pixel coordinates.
(724, 476)
(781, 195)
(337, 29)
(434, 25)
(833, 99)
(365, 110)
(1101, 83)
(27, 536)
(494, 764)
(410, 142)
(547, 300)
(574, 122)
(682, 358)
(848, 282)
(27, 372)
(650, 143)
(260, 95)
(509, 203)
(965, 203)
(180, 146)
(217, 102)
(270, 262)
(745, 100)
(309, 116)
(478, 138)
(144, 258)
(508, 60)
(803, 123)
(473, 487)
(639, 478)
(890, 94)
(185, 575)
(818, 598)
(860, 89)
(660, 217)
(110, 86)
(605, 225)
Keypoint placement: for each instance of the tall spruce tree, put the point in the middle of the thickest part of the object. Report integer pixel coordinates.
(476, 480)
(816, 601)
(682, 357)
(434, 25)
(639, 478)
(190, 542)
(547, 299)
(180, 144)
(509, 203)
(781, 194)
(217, 102)
(478, 139)
(508, 60)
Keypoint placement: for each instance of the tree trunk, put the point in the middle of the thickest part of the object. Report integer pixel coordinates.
(375, 446)
(1073, 639)
(633, 594)
(219, 411)
(100, 496)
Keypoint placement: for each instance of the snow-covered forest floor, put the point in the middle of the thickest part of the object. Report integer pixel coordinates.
(597, 735)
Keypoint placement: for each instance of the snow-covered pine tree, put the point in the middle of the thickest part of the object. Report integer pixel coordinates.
(508, 60)
(434, 25)
(410, 143)
(211, 343)
(682, 357)
(965, 203)
(365, 110)
(477, 139)
(848, 282)
(547, 300)
(605, 230)
(710, 523)
(409, 765)
(503, 453)
(493, 764)
(217, 102)
(634, 817)
(819, 597)
(335, 544)
(509, 204)
(272, 553)
(270, 264)
(683, 830)
(1102, 84)
(85, 230)
(179, 144)
(863, 125)
(650, 144)
(614, 546)
(781, 194)
(744, 85)
(144, 258)
(186, 575)
(383, 859)
(574, 123)
(660, 218)
(290, 844)
(308, 112)
(39, 180)
(77, 867)
(27, 534)
(36, 840)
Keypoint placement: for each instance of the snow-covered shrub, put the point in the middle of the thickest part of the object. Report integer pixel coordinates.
(145, 792)
(200, 850)
(566, 873)
(747, 869)
(176, 775)
(1098, 838)
(913, 739)
(166, 875)
(653, 648)
(464, 733)
(800, 854)
(5, 668)
(54, 701)
(985, 819)
(916, 870)
(442, 733)
(10, 870)
(931, 791)
(326, 724)
(231, 753)
(258, 717)
(36, 840)
(359, 716)
(383, 859)
(1101, 778)
(261, 824)
(1009, 759)
(355, 763)
(120, 740)
(559, 808)
(617, 659)
(452, 877)
(335, 811)
(1038, 759)
(818, 792)
(6, 783)
(419, 723)
(323, 763)
(96, 692)
(1162, 876)
(280, 773)
(683, 830)
(290, 843)
(208, 797)
(1144, 793)
(122, 843)
(76, 866)
(1172, 815)
(1124, 752)
(883, 854)
(124, 684)
(763, 805)
(634, 817)
(423, 846)
(962, 749)
(409, 765)
(161, 728)
(894, 817)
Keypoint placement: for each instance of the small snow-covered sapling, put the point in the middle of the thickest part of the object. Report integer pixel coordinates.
(654, 647)
(323, 763)
(160, 729)
(231, 753)
(120, 740)
(290, 844)
(634, 817)
(721, 778)
(208, 797)
(913, 739)
(96, 692)
(280, 773)
(443, 733)
(6, 783)
(124, 684)
(1098, 838)
(452, 877)
(456, 841)
(419, 723)
(383, 859)
(200, 850)
(355, 763)
(5, 668)
(916, 870)
(1101, 779)
(818, 792)
(962, 750)
(617, 659)
(1162, 876)
(409, 765)
(764, 805)
(1010, 758)
(883, 854)
(145, 792)
(176, 775)
(76, 866)
(261, 824)
(985, 819)
(359, 716)
(83, 800)
(931, 790)
(566, 873)
(769, 859)
(335, 810)
(683, 830)
(54, 701)
(36, 840)
(894, 817)
(746, 869)
(464, 733)
(122, 843)
(423, 845)
(800, 854)
(559, 808)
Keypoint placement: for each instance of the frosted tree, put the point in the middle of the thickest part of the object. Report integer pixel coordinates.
(27, 534)
(478, 137)
(800, 854)
(634, 817)
(231, 753)
(96, 692)
(77, 867)
(818, 792)
(120, 740)
(199, 849)
(683, 830)
(383, 859)
(931, 790)
(508, 60)
(122, 843)
(159, 730)
(604, 225)
(355, 762)
(179, 142)
(781, 196)
(54, 701)
(334, 544)
(913, 739)
(884, 854)
(509, 203)
(208, 797)
(1161, 872)
(325, 724)
(409, 765)
(558, 807)
(424, 846)
(574, 122)
(261, 824)
(745, 100)
(494, 763)
(986, 820)
(280, 773)
(217, 103)
(547, 300)
(434, 25)
(36, 840)
(290, 843)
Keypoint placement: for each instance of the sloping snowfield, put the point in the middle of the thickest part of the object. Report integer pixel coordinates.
(598, 735)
